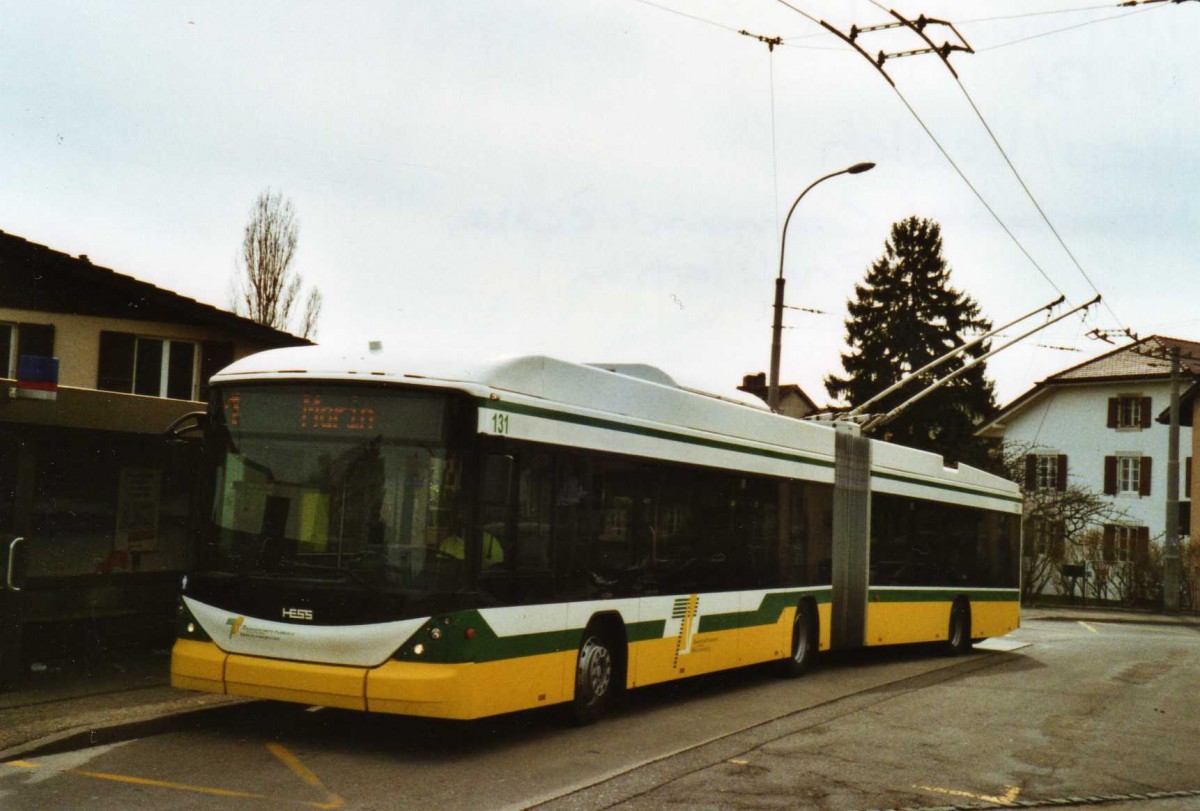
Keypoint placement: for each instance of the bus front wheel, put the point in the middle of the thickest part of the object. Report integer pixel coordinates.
(804, 641)
(594, 677)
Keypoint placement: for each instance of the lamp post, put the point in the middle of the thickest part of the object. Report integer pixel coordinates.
(777, 327)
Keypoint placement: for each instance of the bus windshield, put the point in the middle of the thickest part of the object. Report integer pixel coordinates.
(332, 482)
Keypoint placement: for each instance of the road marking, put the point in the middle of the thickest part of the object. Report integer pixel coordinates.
(297, 768)
(144, 781)
(1007, 798)
(304, 773)
(1090, 628)
(740, 762)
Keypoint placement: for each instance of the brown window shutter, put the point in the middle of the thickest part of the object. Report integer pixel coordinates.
(1030, 471)
(1145, 412)
(1145, 482)
(115, 368)
(1062, 472)
(1185, 518)
(1141, 547)
(1113, 404)
(1110, 475)
(1110, 543)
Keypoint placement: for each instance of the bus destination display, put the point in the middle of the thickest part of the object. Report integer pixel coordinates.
(333, 411)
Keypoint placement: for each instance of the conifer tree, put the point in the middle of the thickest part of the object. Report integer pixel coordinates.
(903, 315)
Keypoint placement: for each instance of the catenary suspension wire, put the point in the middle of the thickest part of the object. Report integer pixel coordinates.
(1105, 6)
(954, 164)
(1024, 186)
(1067, 28)
(774, 150)
(685, 14)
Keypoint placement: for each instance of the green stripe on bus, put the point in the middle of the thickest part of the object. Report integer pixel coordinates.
(654, 433)
(659, 433)
(958, 488)
(902, 595)
(767, 613)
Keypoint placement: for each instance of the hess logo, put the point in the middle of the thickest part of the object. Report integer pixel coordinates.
(297, 614)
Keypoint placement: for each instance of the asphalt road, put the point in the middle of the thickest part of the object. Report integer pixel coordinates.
(1083, 709)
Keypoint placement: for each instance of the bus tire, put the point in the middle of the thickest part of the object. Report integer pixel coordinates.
(595, 676)
(805, 640)
(958, 638)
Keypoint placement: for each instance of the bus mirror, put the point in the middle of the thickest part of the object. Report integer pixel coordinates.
(190, 423)
(497, 479)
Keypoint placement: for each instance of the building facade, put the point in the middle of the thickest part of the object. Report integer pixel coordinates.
(1094, 426)
(95, 504)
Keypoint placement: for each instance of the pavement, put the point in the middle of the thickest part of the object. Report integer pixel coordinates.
(59, 707)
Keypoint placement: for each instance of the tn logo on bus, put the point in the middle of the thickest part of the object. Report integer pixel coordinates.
(297, 614)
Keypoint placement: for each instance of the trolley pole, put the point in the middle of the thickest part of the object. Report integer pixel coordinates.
(1171, 571)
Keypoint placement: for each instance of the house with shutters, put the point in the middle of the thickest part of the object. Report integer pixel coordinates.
(95, 504)
(1094, 425)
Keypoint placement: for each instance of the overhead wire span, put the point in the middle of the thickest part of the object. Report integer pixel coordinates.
(1024, 186)
(1065, 28)
(676, 11)
(945, 153)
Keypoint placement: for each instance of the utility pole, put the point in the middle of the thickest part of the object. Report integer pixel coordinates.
(1171, 571)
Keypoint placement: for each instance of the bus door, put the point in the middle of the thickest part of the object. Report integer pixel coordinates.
(12, 564)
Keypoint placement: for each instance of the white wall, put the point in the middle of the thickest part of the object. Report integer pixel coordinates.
(1073, 419)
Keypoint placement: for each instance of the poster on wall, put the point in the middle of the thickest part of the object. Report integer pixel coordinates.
(137, 509)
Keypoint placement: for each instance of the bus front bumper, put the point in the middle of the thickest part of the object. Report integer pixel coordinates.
(433, 690)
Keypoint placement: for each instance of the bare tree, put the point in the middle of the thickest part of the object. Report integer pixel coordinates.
(265, 288)
(1060, 526)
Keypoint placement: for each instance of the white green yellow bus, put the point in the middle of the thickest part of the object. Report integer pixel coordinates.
(393, 534)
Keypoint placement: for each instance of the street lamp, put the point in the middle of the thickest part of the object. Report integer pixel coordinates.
(777, 327)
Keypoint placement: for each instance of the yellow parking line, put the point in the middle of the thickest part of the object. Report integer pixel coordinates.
(332, 800)
(1007, 798)
(1090, 628)
(304, 773)
(145, 781)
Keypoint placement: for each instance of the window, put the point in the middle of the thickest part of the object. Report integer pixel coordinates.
(1046, 471)
(1126, 544)
(1127, 475)
(1045, 537)
(1130, 412)
(155, 367)
(23, 339)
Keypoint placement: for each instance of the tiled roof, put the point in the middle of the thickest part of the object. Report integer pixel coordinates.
(36, 277)
(1142, 359)
(1145, 358)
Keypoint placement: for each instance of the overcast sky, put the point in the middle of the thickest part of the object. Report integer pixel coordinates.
(604, 180)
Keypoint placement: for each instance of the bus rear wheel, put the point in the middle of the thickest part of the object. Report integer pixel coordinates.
(804, 641)
(958, 640)
(594, 677)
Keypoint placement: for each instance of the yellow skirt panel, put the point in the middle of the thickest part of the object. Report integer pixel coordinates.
(198, 666)
(465, 691)
(994, 618)
(301, 682)
(902, 623)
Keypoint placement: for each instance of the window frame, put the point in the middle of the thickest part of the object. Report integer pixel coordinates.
(10, 368)
(162, 374)
(1129, 471)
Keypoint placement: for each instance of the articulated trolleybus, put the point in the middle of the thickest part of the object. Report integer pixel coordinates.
(392, 535)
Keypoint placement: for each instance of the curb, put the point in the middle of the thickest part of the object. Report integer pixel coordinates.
(1195, 624)
(153, 723)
